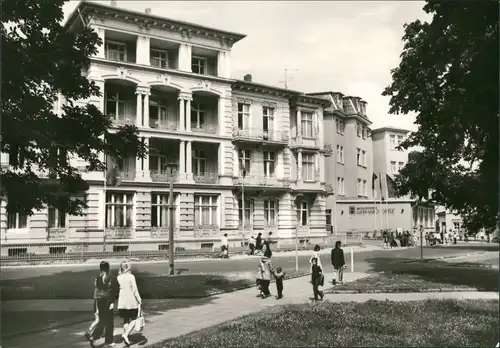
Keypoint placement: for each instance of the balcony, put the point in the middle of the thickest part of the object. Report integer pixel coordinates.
(206, 178)
(260, 184)
(118, 232)
(204, 128)
(327, 150)
(261, 136)
(120, 102)
(165, 176)
(163, 108)
(119, 170)
(163, 160)
(56, 234)
(206, 231)
(203, 114)
(300, 142)
(204, 61)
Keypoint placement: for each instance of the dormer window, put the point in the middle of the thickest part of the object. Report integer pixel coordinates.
(116, 51)
(199, 65)
(159, 58)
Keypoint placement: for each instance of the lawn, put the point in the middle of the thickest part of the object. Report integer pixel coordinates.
(437, 323)
(151, 286)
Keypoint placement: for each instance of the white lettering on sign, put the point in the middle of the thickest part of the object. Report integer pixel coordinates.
(373, 210)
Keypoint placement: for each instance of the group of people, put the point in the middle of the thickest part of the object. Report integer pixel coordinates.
(265, 271)
(443, 237)
(107, 290)
(256, 246)
(405, 238)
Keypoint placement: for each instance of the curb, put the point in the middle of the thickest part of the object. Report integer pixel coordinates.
(404, 291)
(444, 257)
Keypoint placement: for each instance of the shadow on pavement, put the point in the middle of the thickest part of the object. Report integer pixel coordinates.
(439, 271)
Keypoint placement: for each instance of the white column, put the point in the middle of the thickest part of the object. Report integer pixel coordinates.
(220, 159)
(142, 50)
(101, 50)
(188, 115)
(138, 112)
(145, 168)
(299, 121)
(227, 61)
(146, 109)
(182, 158)
(189, 160)
(236, 164)
(221, 64)
(299, 165)
(184, 57)
(220, 115)
(181, 115)
(316, 166)
(188, 57)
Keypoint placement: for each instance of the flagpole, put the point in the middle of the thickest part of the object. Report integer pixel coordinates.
(104, 189)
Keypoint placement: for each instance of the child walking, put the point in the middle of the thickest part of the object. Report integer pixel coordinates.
(279, 275)
(317, 279)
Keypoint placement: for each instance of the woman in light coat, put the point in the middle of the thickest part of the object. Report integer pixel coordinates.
(315, 255)
(129, 300)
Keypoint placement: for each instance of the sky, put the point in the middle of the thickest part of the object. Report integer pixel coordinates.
(341, 46)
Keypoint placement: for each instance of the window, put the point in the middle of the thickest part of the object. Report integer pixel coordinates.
(271, 213)
(340, 154)
(267, 119)
(115, 104)
(245, 161)
(363, 132)
(393, 167)
(197, 115)
(116, 51)
(248, 212)
(243, 116)
(400, 140)
(339, 125)
(456, 226)
(119, 209)
(363, 158)
(17, 221)
(365, 188)
(328, 215)
(358, 157)
(160, 214)
(205, 210)
(159, 58)
(157, 111)
(340, 186)
(400, 166)
(308, 167)
(307, 124)
(269, 164)
(199, 65)
(359, 188)
(303, 214)
(158, 163)
(199, 162)
(392, 141)
(57, 218)
(358, 129)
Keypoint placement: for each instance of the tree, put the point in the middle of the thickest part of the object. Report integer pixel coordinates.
(448, 76)
(41, 60)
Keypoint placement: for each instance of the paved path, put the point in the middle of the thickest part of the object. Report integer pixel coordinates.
(176, 322)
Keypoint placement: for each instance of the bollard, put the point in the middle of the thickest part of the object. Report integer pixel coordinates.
(352, 260)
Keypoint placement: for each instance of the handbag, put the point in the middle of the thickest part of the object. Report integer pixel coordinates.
(139, 322)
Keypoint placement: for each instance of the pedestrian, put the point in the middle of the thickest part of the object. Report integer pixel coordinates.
(315, 255)
(224, 247)
(129, 300)
(279, 275)
(258, 279)
(266, 270)
(338, 263)
(104, 298)
(251, 245)
(267, 250)
(317, 280)
(258, 243)
(385, 237)
(426, 238)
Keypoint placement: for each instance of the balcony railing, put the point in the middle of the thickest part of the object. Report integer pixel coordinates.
(206, 231)
(57, 234)
(327, 150)
(258, 134)
(163, 176)
(205, 129)
(305, 141)
(207, 178)
(167, 125)
(163, 232)
(129, 120)
(126, 175)
(118, 232)
(328, 188)
(261, 181)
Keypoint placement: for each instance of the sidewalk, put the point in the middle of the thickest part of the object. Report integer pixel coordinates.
(177, 322)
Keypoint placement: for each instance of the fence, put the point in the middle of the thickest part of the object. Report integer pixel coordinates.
(82, 251)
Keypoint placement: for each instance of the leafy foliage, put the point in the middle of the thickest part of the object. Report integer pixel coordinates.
(448, 76)
(44, 60)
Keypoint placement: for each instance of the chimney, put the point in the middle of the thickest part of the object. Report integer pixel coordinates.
(113, 3)
(247, 77)
(148, 11)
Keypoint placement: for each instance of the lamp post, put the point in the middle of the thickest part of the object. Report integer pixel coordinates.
(171, 211)
(244, 174)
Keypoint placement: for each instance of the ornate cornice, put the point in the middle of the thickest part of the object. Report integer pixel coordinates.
(245, 86)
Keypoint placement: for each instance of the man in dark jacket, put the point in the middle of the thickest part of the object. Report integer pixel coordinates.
(338, 262)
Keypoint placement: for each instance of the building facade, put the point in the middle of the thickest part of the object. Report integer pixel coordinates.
(243, 158)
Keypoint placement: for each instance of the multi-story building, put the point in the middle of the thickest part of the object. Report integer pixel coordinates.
(243, 157)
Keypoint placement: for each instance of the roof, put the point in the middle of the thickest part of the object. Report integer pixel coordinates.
(260, 87)
(87, 7)
(326, 92)
(390, 129)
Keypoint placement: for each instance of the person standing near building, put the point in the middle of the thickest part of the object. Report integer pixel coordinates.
(338, 263)
(129, 300)
(251, 245)
(224, 247)
(266, 268)
(258, 243)
(317, 280)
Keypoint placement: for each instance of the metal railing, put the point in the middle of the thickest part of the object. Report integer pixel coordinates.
(262, 181)
(129, 120)
(163, 176)
(205, 129)
(259, 134)
(206, 178)
(161, 124)
(305, 141)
